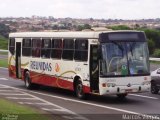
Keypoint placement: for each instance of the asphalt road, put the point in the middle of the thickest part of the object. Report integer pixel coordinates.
(3, 56)
(67, 106)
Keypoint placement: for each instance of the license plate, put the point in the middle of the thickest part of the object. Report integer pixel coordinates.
(128, 90)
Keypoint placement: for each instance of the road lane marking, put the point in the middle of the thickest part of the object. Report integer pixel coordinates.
(3, 68)
(3, 79)
(6, 90)
(82, 102)
(45, 101)
(7, 94)
(29, 103)
(4, 87)
(73, 118)
(70, 117)
(59, 110)
(78, 101)
(143, 96)
(16, 98)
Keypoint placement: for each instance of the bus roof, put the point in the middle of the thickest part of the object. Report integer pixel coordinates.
(70, 34)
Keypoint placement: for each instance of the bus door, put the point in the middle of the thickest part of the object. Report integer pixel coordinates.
(18, 59)
(94, 69)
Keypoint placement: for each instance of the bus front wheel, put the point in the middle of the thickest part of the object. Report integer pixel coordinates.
(27, 81)
(79, 90)
(154, 89)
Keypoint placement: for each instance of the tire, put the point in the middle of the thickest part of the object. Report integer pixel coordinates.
(27, 80)
(79, 90)
(154, 89)
(122, 96)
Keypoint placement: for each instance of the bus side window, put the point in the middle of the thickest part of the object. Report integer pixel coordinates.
(81, 50)
(68, 49)
(12, 46)
(26, 47)
(56, 48)
(36, 47)
(46, 48)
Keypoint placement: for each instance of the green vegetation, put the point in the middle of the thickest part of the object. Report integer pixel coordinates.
(4, 30)
(153, 41)
(120, 27)
(153, 36)
(3, 53)
(154, 62)
(3, 63)
(156, 53)
(3, 43)
(83, 27)
(20, 112)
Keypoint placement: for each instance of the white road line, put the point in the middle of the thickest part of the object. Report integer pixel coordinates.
(47, 102)
(59, 110)
(16, 98)
(144, 96)
(3, 87)
(29, 103)
(69, 117)
(73, 118)
(86, 103)
(11, 94)
(6, 90)
(78, 101)
(3, 68)
(3, 79)
(82, 102)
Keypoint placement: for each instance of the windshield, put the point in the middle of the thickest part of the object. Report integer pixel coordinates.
(124, 58)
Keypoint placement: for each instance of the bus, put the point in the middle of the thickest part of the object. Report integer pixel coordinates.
(86, 62)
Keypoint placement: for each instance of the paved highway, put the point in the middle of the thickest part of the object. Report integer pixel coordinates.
(67, 106)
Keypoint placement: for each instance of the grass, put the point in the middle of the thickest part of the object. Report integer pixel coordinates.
(3, 43)
(19, 112)
(3, 53)
(154, 62)
(3, 63)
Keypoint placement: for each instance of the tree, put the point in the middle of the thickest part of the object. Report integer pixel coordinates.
(156, 53)
(153, 35)
(87, 26)
(151, 46)
(79, 28)
(55, 27)
(120, 27)
(4, 30)
(82, 27)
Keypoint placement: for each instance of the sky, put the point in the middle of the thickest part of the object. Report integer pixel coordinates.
(100, 9)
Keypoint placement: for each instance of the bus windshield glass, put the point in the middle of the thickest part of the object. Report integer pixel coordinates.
(124, 59)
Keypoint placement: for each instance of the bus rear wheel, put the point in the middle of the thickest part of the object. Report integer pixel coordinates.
(79, 90)
(27, 80)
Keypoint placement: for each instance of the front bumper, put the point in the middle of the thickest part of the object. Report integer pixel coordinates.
(125, 89)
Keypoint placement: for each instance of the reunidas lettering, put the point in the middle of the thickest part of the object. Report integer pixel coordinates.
(35, 65)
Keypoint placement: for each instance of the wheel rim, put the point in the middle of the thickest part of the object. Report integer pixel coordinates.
(27, 81)
(79, 90)
(153, 89)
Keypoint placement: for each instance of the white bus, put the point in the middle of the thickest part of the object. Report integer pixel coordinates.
(94, 62)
